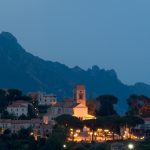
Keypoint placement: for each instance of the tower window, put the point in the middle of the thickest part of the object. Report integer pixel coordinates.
(81, 95)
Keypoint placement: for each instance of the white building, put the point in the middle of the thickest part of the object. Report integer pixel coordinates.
(18, 108)
(46, 99)
(40, 129)
(16, 125)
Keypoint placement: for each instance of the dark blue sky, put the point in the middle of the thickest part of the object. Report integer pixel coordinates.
(109, 33)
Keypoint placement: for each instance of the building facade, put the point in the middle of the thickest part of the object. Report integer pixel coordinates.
(40, 129)
(18, 108)
(46, 99)
(76, 107)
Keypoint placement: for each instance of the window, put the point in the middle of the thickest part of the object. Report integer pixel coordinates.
(81, 95)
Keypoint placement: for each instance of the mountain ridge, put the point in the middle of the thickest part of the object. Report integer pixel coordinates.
(20, 69)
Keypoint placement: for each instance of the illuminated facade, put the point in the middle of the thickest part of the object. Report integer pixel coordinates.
(80, 94)
(76, 107)
(81, 110)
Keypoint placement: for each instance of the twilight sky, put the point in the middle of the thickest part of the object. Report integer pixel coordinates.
(109, 33)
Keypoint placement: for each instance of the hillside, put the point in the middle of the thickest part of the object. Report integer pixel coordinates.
(20, 69)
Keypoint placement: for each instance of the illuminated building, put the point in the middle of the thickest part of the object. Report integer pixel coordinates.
(76, 107)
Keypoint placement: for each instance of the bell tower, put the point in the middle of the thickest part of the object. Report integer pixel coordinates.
(80, 94)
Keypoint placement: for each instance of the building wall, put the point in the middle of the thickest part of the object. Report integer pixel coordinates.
(80, 94)
(58, 111)
(18, 111)
(16, 125)
(80, 112)
(44, 99)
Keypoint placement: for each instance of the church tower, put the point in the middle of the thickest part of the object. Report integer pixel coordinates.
(80, 94)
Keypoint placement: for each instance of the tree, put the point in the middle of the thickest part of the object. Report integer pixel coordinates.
(106, 107)
(79, 147)
(132, 102)
(113, 123)
(31, 112)
(69, 121)
(139, 105)
(7, 132)
(3, 100)
(6, 115)
(92, 105)
(24, 133)
(13, 94)
(132, 121)
(23, 117)
(56, 140)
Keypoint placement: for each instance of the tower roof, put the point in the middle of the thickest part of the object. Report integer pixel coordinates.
(81, 86)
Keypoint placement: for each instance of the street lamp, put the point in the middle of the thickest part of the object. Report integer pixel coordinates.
(130, 146)
(64, 146)
(31, 133)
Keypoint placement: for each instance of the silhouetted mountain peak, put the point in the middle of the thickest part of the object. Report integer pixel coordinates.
(95, 68)
(77, 69)
(22, 70)
(8, 36)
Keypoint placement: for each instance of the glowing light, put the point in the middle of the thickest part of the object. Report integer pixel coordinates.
(75, 135)
(142, 138)
(64, 146)
(131, 146)
(31, 133)
(100, 130)
(95, 133)
(106, 130)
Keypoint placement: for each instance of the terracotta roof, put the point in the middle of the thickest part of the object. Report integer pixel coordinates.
(82, 87)
(21, 101)
(18, 103)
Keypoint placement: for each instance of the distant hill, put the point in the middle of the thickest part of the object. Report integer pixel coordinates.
(20, 69)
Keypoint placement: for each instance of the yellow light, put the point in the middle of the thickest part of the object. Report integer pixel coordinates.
(71, 129)
(75, 135)
(106, 130)
(95, 133)
(99, 130)
(78, 131)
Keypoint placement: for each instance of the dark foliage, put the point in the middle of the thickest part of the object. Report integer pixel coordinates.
(106, 105)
